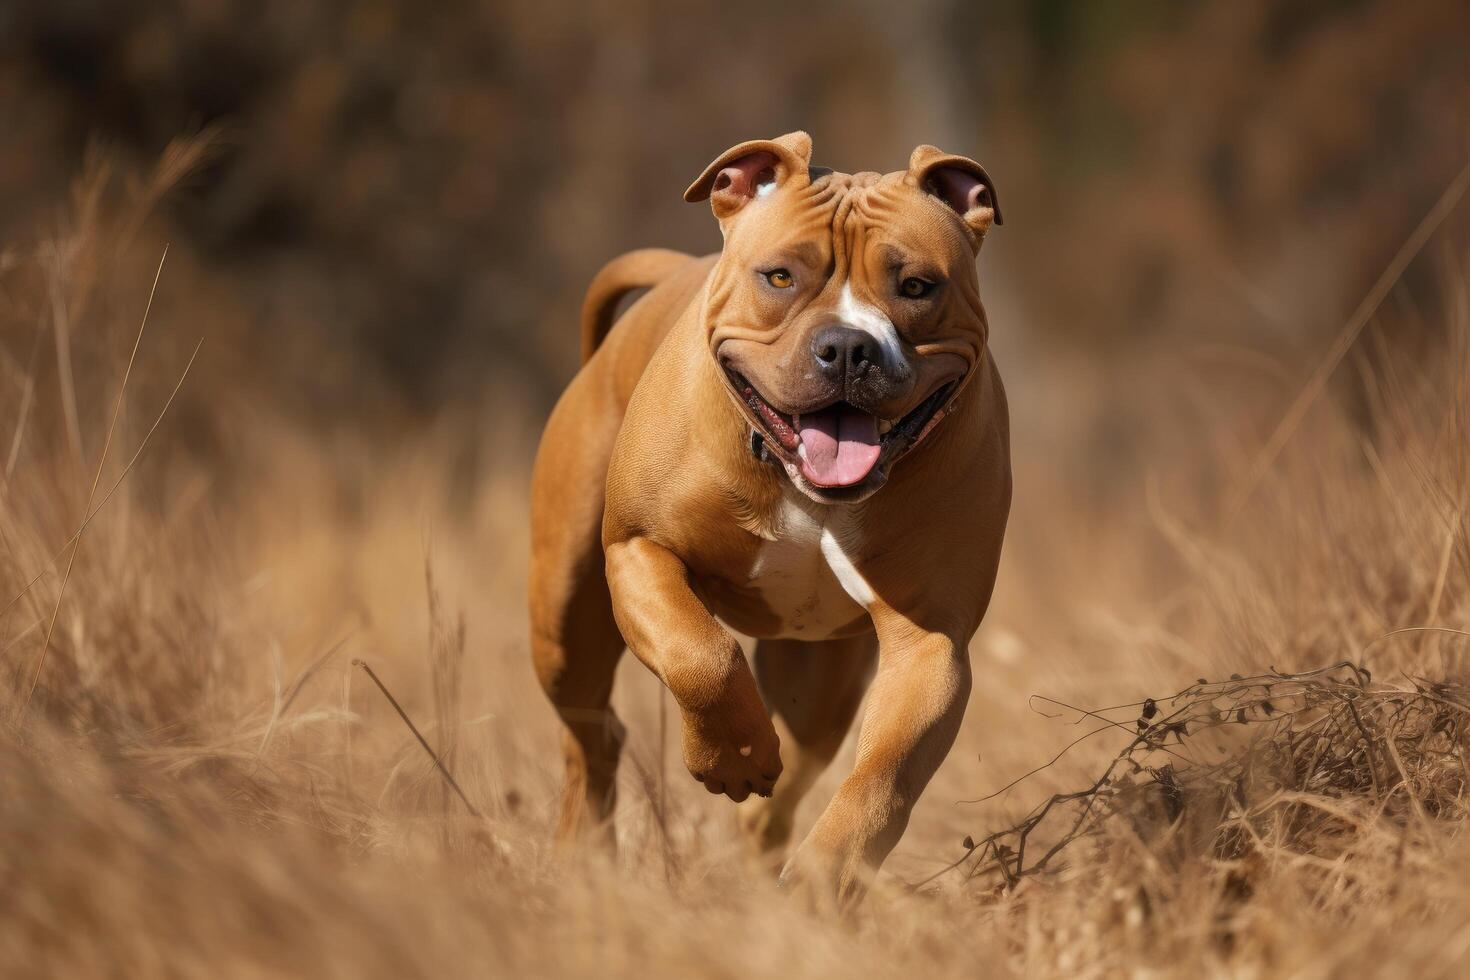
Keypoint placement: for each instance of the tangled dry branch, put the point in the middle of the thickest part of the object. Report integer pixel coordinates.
(1273, 755)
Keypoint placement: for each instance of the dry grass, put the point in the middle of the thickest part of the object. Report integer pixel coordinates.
(1322, 745)
(204, 785)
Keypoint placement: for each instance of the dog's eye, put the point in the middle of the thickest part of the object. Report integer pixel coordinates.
(780, 278)
(915, 288)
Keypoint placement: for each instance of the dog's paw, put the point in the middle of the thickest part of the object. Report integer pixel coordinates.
(736, 754)
(834, 866)
(825, 880)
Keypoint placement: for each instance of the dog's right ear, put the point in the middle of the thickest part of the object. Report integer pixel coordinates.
(745, 172)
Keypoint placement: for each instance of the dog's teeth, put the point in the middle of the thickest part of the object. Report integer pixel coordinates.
(883, 426)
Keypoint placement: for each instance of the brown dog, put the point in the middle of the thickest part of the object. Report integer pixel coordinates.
(803, 437)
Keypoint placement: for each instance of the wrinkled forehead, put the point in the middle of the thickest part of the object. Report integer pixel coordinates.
(841, 220)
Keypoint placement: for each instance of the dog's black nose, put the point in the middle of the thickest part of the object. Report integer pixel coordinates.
(845, 354)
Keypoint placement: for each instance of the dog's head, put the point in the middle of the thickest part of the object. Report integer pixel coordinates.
(845, 308)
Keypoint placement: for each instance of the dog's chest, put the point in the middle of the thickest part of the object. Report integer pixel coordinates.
(804, 574)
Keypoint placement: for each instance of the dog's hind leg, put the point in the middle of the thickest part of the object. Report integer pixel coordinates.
(575, 644)
(813, 690)
(576, 654)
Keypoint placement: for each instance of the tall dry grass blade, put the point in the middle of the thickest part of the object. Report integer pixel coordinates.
(27, 398)
(1413, 629)
(1447, 552)
(443, 771)
(446, 670)
(96, 480)
(61, 328)
(137, 455)
(1287, 427)
(179, 160)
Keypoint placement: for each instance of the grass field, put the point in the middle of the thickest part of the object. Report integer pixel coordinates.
(202, 783)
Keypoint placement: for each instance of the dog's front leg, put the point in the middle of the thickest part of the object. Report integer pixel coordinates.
(730, 744)
(915, 706)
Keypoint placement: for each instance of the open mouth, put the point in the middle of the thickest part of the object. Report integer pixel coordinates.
(841, 445)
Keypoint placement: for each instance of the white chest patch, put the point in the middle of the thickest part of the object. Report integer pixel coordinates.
(847, 574)
(804, 574)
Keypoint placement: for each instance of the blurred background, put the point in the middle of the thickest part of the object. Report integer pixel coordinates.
(380, 219)
(401, 203)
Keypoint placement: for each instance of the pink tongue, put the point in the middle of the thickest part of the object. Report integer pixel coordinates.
(839, 446)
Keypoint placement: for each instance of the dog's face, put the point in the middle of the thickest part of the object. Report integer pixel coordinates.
(845, 308)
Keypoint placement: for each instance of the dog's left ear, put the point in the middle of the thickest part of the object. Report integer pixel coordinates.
(740, 174)
(959, 182)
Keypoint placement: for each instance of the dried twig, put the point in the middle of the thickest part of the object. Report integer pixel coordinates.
(422, 741)
(1317, 738)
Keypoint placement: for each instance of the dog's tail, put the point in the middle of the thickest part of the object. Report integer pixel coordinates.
(633, 270)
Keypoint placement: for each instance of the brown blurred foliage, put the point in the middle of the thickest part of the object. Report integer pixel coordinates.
(418, 192)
